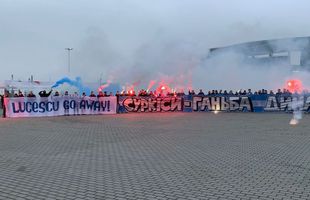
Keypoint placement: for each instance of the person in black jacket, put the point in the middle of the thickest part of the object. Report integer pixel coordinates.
(56, 94)
(201, 92)
(20, 94)
(44, 94)
(92, 94)
(31, 94)
(6, 95)
(2, 101)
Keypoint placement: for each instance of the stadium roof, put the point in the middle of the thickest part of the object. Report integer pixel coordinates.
(267, 46)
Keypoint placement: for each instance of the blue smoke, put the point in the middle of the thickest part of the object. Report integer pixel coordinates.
(76, 83)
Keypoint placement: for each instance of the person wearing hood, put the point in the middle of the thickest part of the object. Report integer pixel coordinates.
(44, 93)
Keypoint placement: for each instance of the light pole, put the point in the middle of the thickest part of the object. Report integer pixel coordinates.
(69, 49)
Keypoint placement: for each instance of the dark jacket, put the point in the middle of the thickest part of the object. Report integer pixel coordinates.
(44, 94)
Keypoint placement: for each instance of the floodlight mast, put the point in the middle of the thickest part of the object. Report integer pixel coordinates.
(69, 50)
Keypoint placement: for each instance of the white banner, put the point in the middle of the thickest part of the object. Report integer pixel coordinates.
(62, 105)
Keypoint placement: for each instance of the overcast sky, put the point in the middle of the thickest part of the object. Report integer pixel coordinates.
(112, 37)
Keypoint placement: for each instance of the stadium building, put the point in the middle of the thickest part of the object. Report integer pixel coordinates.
(290, 52)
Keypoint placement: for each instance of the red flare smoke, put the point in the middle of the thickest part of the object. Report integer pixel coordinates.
(151, 84)
(294, 85)
(103, 86)
(163, 89)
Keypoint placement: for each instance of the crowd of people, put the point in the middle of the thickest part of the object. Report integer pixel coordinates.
(209, 93)
(147, 93)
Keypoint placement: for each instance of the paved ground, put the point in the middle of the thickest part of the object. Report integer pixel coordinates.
(155, 156)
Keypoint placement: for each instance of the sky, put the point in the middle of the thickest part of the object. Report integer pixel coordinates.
(130, 41)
